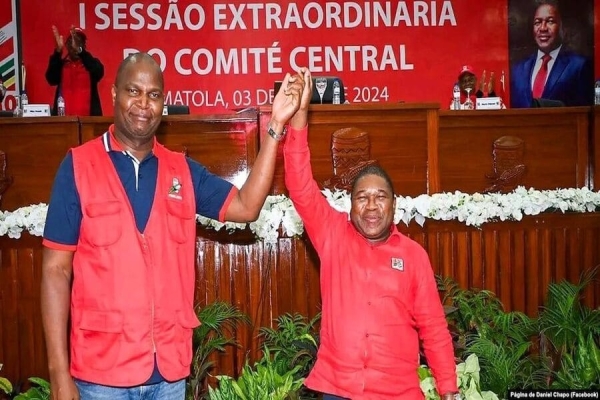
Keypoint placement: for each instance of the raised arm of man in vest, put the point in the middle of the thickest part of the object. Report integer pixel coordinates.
(57, 270)
(248, 201)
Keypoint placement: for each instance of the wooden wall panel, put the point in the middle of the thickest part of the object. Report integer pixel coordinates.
(595, 147)
(556, 147)
(398, 136)
(34, 148)
(516, 260)
(263, 280)
(225, 144)
(22, 348)
(9, 313)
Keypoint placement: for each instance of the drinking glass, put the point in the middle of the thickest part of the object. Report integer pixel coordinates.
(321, 85)
(469, 103)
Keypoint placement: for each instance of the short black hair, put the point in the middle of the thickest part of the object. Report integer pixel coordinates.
(553, 3)
(373, 169)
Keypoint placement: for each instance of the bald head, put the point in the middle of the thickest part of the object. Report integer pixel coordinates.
(138, 100)
(132, 61)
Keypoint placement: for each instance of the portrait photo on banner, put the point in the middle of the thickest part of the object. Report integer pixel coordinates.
(551, 52)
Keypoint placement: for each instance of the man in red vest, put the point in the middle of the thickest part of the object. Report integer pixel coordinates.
(119, 245)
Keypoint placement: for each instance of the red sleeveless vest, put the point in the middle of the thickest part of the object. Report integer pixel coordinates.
(133, 293)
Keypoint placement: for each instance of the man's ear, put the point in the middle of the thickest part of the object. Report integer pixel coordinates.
(113, 93)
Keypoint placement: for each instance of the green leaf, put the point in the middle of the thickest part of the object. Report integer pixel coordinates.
(423, 372)
(42, 383)
(5, 385)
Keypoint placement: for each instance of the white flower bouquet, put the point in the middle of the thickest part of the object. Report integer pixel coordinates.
(278, 214)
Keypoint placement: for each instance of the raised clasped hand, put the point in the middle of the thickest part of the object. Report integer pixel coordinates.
(287, 100)
(300, 118)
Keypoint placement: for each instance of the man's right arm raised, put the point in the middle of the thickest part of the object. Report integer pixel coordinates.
(311, 205)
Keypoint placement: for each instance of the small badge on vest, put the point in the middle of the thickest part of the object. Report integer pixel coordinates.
(174, 190)
(398, 264)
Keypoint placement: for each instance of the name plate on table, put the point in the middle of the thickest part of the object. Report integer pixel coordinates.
(36, 110)
(488, 103)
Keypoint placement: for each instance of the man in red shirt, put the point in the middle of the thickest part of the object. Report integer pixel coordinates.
(379, 295)
(75, 75)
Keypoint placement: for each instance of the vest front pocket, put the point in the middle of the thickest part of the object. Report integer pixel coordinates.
(178, 218)
(102, 334)
(103, 225)
(186, 322)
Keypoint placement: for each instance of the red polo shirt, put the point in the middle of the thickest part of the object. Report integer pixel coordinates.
(76, 88)
(378, 301)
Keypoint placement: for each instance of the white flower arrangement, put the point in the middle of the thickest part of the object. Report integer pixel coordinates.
(31, 218)
(278, 211)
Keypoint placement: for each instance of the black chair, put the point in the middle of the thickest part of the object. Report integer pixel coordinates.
(177, 109)
(327, 96)
(542, 103)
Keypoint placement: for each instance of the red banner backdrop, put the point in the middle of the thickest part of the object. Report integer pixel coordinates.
(220, 56)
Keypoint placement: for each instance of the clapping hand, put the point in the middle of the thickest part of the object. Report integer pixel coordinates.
(58, 39)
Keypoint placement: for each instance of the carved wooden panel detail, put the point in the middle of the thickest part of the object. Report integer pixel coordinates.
(508, 164)
(350, 152)
(5, 180)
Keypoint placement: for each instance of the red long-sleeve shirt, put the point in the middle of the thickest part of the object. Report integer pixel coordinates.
(377, 300)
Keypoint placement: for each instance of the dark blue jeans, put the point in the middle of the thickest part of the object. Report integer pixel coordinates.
(332, 397)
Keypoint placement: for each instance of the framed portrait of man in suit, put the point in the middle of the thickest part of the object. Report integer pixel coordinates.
(551, 52)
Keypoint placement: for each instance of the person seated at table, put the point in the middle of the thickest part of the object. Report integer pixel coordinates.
(467, 82)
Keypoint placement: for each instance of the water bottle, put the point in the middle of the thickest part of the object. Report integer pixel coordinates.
(456, 97)
(17, 112)
(336, 92)
(60, 106)
(597, 93)
(24, 99)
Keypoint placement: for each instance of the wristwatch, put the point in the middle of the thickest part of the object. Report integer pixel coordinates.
(275, 135)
